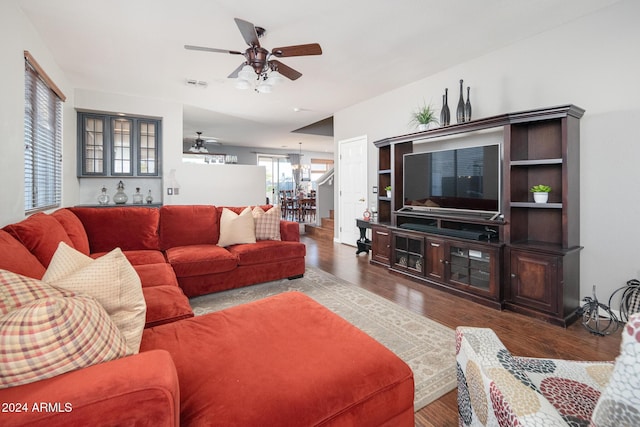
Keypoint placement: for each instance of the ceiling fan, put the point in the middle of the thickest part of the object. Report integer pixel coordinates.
(259, 59)
(198, 145)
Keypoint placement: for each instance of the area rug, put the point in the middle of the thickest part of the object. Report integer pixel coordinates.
(426, 346)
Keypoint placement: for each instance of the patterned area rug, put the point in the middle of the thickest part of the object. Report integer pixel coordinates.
(426, 346)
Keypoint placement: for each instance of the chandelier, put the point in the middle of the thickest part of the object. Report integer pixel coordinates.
(198, 145)
(258, 72)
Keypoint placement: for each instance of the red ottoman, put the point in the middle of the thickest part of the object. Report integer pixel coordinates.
(283, 361)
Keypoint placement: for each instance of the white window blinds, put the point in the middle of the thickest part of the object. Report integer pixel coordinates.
(42, 138)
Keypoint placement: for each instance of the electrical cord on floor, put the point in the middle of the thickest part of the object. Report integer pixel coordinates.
(629, 300)
(593, 320)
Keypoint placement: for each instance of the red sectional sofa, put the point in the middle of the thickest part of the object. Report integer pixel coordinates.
(281, 361)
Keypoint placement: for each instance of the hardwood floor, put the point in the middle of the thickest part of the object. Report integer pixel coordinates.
(523, 336)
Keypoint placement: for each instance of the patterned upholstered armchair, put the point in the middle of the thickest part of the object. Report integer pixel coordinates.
(496, 388)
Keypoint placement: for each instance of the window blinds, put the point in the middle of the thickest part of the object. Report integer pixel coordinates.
(43, 140)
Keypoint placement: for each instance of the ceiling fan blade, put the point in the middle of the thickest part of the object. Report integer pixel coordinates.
(248, 31)
(235, 72)
(285, 70)
(297, 50)
(212, 49)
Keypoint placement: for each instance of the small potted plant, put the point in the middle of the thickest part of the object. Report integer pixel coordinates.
(540, 193)
(388, 190)
(423, 117)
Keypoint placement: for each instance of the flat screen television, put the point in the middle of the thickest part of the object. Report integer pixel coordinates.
(463, 179)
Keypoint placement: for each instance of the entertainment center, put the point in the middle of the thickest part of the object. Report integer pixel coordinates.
(461, 217)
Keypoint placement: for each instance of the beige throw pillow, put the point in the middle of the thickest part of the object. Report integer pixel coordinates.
(111, 280)
(267, 223)
(236, 229)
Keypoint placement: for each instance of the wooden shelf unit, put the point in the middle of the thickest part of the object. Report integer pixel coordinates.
(535, 252)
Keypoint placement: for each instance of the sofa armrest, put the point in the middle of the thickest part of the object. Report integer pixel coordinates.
(139, 390)
(492, 389)
(289, 231)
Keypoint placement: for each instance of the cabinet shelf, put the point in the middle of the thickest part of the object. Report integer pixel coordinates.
(537, 162)
(533, 205)
(384, 171)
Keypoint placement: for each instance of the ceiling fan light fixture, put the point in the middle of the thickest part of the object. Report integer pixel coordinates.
(246, 73)
(275, 78)
(242, 84)
(264, 87)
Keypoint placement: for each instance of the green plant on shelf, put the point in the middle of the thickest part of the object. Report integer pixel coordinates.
(540, 188)
(387, 188)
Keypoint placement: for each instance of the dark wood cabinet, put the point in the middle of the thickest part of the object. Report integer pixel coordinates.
(435, 259)
(527, 258)
(529, 276)
(543, 285)
(380, 244)
(407, 252)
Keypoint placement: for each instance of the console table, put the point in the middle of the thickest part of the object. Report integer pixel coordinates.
(364, 244)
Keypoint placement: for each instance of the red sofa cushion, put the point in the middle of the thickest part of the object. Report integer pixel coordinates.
(40, 234)
(267, 251)
(74, 228)
(269, 360)
(197, 260)
(138, 257)
(140, 390)
(16, 258)
(130, 228)
(156, 274)
(188, 225)
(165, 304)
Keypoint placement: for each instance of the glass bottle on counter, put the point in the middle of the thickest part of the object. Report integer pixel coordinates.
(103, 198)
(149, 198)
(137, 197)
(120, 198)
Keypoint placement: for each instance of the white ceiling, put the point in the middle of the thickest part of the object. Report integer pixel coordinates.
(135, 47)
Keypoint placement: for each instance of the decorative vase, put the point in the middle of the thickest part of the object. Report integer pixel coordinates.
(120, 198)
(137, 197)
(103, 198)
(460, 109)
(467, 106)
(149, 198)
(540, 197)
(388, 193)
(423, 126)
(445, 115)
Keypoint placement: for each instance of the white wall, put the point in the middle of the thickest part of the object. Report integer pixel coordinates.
(18, 35)
(592, 63)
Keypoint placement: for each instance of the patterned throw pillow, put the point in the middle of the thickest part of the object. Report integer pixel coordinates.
(236, 229)
(619, 403)
(46, 332)
(267, 223)
(111, 280)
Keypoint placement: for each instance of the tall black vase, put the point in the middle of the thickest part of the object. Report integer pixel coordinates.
(467, 106)
(445, 115)
(460, 109)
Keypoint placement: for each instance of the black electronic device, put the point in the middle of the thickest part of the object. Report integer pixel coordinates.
(465, 179)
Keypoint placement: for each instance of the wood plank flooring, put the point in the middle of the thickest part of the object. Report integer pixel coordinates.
(523, 336)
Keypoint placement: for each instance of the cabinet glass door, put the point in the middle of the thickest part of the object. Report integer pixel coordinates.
(147, 148)
(409, 253)
(122, 146)
(470, 267)
(93, 147)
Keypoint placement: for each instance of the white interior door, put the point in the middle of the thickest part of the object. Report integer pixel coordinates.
(352, 191)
